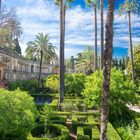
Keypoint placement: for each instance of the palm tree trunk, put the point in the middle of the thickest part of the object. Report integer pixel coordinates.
(107, 69)
(62, 45)
(130, 43)
(95, 23)
(40, 67)
(102, 33)
(0, 6)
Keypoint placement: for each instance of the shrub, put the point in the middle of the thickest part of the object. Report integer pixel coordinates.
(74, 83)
(24, 85)
(52, 82)
(120, 88)
(18, 113)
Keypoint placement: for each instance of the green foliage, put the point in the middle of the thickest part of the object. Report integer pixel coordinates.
(91, 3)
(9, 28)
(18, 113)
(68, 106)
(17, 48)
(24, 85)
(130, 132)
(55, 132)
(120, 88)
(81, 135)
(54, 104)
(52, 82)
(121, 64)
(112, 133)
(74, 83)
(93, 89)
(85, 61)
(70, 64)
(136, 54)
(129, 6)
(95, 133)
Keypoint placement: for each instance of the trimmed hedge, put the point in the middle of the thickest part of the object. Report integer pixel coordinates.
(64, 133)
(81, 135)
(95, 133)
(112, 133)
(91, 120)
(88, 131)
(58, 120)
(54, 104)
(24, 85)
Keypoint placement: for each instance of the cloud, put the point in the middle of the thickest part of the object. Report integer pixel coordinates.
(43, 16)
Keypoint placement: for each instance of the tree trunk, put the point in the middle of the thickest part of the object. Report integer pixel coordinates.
(95, 26)
(62, 45)
(107, 69)
(130, 43)
(0, 7)
(102, 32)
(40, 67)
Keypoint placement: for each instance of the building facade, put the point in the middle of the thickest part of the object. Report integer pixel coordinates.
(14, 67)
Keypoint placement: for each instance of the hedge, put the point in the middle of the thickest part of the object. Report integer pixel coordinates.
(54, 104)
(112, 133)
(95, 133)
(91, 120)
(64, 133)
(81, 135)
(25, 85)
(78, 113)
(58, 120)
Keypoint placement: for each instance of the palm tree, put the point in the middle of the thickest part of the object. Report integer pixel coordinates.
(85, 61)
(62, 46)
(128, 7)
(107, 69)
(102, 32)
(64, 4)
(94, 3)
(39, 49)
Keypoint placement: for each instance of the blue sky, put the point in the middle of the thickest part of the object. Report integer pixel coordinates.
(39, 16)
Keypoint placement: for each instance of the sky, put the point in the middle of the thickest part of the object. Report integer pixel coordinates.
(43, 16)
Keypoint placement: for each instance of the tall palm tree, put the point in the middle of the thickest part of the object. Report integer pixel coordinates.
(94, 3)
(102, 32)
(39, 48)
(128, 7)
(107, 69)
(64, 4)
(62, 46)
